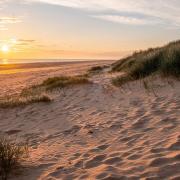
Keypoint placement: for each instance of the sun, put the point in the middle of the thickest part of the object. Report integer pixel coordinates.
(5, 48)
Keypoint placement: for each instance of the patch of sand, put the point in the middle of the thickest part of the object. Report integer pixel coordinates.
(97, 131)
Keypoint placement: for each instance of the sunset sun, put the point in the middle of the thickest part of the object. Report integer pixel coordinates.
(5, 48)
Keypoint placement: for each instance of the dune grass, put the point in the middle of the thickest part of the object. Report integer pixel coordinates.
(63, 81)
(10, 102)
(11, 156)
(164, 61)
(97, 69)
(39, 93)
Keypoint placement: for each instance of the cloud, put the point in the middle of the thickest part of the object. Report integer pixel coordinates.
(164, 11)
(23, 42)
(140, 12)
(4, 21)
(26, 40)
(20, 43)
(9, 20)
(2, 27)
(127, 20)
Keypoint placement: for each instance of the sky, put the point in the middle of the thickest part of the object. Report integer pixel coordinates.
(85, 29)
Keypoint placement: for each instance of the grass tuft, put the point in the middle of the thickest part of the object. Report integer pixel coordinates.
(163, 61)
(63, 81)
(10, 102)
(11, 156)
(97, 69)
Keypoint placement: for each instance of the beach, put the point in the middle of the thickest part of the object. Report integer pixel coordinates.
(93, 131)
(15, 77)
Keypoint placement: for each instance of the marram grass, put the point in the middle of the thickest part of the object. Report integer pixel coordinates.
(164, 61)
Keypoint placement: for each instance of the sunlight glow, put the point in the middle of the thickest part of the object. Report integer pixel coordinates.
(5, 48)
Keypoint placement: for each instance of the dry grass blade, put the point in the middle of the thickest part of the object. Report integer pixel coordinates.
(11, 155)
(63, 81)
(10, 102)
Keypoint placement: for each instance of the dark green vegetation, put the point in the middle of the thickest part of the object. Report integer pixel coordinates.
(164, 61)
(11, 156)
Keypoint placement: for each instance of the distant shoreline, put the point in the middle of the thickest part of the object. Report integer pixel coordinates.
(32, 61)
(46, 64)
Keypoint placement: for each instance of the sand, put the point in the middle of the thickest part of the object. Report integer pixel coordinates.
(95, 131)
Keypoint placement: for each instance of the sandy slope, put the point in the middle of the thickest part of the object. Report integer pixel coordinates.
(98, 131)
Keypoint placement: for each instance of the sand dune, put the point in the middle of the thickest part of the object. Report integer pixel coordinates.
(96, 131)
